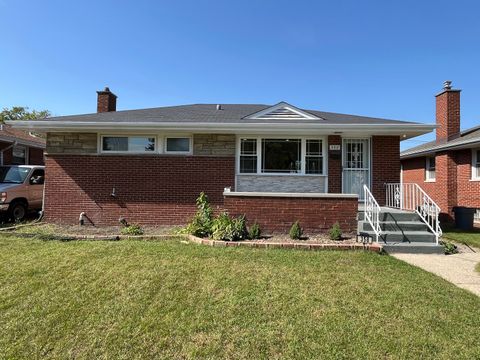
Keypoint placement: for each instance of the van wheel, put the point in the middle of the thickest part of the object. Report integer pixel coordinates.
(18, 211)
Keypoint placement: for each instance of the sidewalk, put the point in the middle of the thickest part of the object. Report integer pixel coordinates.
(459, 269)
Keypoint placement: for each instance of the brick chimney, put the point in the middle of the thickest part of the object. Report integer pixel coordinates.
(448, 113)
(106, 101)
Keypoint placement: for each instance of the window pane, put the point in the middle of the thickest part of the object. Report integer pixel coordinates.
(178, 144)
(115, 143)
(313, 165)
(314, 147)
(248, 164)
(248, 147)
(478, 158)
(281, 155)
(141, 144)
(18, 155)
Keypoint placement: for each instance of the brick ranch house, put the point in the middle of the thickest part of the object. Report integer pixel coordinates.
(18, 147)
(448, 168)
(275, 164)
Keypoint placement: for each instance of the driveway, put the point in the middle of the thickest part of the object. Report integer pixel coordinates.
(459, 268)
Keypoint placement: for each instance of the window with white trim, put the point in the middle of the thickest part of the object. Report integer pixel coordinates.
(248, 156)
(281, 156)
(177, 145)
(476, 164)
(131, 144)
(19, 155)
(430, 168)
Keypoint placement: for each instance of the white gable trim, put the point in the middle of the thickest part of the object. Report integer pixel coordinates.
(282, 111)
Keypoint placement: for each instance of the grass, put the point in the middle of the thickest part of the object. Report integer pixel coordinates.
(470, 238)
(170, 299)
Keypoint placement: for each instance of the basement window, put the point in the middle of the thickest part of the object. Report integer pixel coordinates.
(430, 168)
(476, 164)
(130, 144)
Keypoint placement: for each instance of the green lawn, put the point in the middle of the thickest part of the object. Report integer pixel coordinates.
(471, 238)
(134, 299)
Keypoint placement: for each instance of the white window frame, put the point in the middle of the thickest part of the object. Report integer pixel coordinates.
(302, 161)
(179, 136)
(100, 144)
(428, 172)
(475, 165)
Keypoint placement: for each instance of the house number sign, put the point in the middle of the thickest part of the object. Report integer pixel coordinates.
(334, 147)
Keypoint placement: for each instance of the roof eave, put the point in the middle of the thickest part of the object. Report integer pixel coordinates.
(465, 145)
(409, 130)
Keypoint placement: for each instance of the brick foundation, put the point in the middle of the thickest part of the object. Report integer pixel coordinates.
(278, 213)
(154, 190)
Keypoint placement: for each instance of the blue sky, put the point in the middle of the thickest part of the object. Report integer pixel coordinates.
(374, 58)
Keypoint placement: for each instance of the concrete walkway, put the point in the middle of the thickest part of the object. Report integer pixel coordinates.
(459, 269)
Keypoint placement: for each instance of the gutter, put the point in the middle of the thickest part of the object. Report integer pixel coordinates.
(289, 127)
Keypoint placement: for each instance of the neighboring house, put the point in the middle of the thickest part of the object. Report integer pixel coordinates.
(278, 163)
(18, 147)
(448, 168)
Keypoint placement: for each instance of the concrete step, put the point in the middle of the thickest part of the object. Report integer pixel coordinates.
(393, 215)
(413, 248)
(405, 236)
(395, 226)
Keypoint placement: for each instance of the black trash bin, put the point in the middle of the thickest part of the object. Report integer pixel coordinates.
(464, 217)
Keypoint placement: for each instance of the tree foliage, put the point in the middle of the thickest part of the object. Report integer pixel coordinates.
(22, 113)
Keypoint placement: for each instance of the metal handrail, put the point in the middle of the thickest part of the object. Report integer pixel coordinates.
(411, 197)
(371, 211)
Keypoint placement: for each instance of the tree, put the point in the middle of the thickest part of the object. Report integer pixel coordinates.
(22, 113)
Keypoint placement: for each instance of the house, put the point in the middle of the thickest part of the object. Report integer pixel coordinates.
(274, 163)
(448, 168)
(18, 147)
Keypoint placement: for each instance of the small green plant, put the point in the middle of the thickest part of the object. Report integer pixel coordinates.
(201, 224)
(227, 228)
(254, 232)
(295, 231)
(335, 232)
(450, 248)
(132, 229)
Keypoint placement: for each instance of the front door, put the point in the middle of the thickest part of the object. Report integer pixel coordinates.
(356, 166)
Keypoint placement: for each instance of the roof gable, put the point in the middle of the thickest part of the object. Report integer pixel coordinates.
(282, 111)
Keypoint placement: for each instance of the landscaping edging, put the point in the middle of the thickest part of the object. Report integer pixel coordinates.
(293, 245)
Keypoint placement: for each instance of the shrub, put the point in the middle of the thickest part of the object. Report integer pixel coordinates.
(201, 224)
(254, 232)
(132, 229)
(450, 248)
(295, 231)
(227, 228)
(335, 232)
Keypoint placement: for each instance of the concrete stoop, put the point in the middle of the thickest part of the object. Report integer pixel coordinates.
(402, 232)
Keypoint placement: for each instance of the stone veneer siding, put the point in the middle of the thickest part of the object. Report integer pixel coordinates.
(71, 143)
(274, 183)
(214, 145)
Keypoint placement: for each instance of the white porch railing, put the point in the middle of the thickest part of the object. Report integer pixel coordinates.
(411, 197)
(372, 211)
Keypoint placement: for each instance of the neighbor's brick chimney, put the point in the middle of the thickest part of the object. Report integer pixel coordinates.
(106, 101)
(448, 113)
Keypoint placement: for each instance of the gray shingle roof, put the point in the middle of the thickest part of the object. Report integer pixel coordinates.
(230, 113)
(467, 137)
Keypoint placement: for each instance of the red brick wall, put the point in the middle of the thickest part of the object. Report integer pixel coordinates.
(334, 166)
(452, 186)
(385, 164)
(157, 190)
(468, 192)
(277, 214)
(35, 156)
